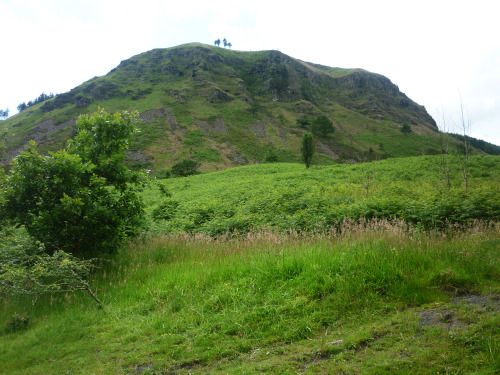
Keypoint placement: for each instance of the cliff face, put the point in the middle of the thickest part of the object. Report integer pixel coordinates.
(257, 98)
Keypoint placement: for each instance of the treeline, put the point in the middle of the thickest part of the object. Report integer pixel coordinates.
(224, 42)
(43, 97)
(4, 114)
(487, 147)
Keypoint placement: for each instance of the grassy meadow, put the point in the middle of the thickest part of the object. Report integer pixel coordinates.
(282, 270)
(291, 197)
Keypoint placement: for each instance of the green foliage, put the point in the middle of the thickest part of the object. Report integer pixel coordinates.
(4, 114)
(206, 154)
(185, 168)
(290, 197)
(83, 199)
(194, 138)
(307, 149)
(352, 301)
(166, 210)
(271, 156)
(41, 98)
(27, 270)
(406, 129)
(487, 147)
(322, 126)
(303, 122)
(102, 140)
(18, 322)
(3, 135)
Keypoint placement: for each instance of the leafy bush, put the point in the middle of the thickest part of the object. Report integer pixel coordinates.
(184, 168)
(83, 199)
(322, 126)
(271, 156)
(166, 210)
(18, 322)
(27, 270)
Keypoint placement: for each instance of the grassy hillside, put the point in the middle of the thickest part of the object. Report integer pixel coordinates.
(394, 288)
(225, 108)
(289, 196)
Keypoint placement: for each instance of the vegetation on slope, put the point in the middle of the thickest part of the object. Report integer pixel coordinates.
(291, 197)
(318, 292)
(479, 144)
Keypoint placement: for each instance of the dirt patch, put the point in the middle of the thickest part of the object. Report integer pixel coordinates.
(448, 320)
(174, 124)
(259, 129)
(153, 114)
(236, 157)
(139, 156)
(40, 133)
(491, 303)
(325, 149)
(219, 126)
(445, 319)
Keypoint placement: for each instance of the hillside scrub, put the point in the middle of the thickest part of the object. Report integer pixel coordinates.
(291, 197)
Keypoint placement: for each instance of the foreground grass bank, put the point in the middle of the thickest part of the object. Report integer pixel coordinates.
(375, 297)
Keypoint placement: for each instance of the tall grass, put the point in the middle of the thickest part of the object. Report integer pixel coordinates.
(195, 299)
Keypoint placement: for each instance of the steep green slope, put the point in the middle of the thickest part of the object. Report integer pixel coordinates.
(225, 108)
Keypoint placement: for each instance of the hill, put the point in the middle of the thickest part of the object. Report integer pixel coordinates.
(224, 108)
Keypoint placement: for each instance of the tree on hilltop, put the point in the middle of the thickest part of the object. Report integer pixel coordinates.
(224, 41)
(22, 106)
(217, 42)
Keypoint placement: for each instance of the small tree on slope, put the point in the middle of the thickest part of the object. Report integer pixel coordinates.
(307, 149)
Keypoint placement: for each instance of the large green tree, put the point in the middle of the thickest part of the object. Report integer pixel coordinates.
(82, 199)
(322, 126)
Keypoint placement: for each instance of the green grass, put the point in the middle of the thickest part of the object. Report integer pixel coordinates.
(276, 268)
(275, 303)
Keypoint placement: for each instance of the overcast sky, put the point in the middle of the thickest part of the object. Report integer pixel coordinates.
(436, 51)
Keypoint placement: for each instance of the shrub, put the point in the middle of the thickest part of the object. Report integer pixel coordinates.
(27, 270)
(18, 322)
(166, 210)
(184, 168)
(271, 156)
(82, 199)
(322, 126)
(307, 149)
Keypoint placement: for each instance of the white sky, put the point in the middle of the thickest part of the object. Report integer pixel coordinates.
(436, 51)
